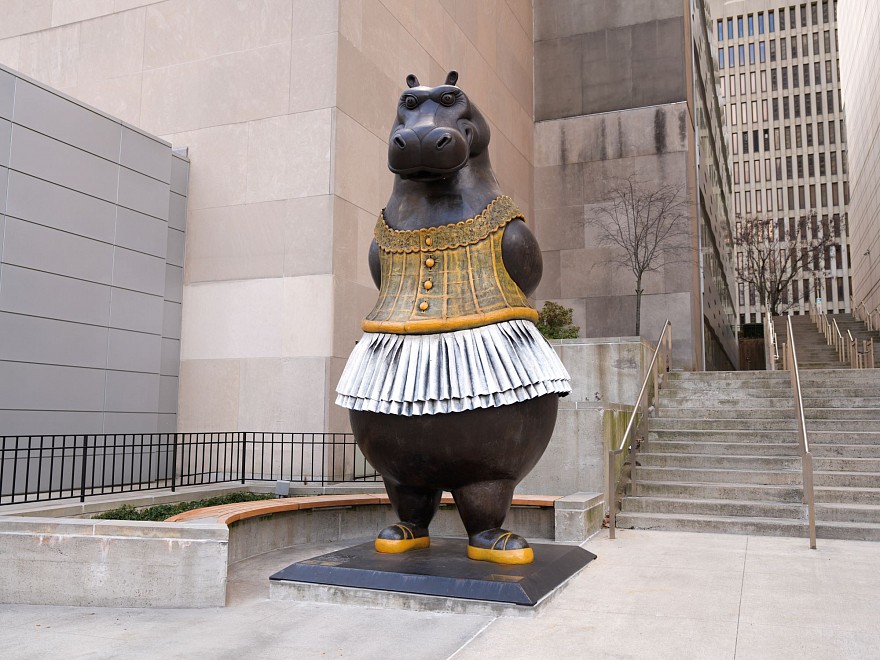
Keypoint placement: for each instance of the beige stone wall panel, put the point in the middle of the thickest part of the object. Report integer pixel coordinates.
(282, 395)
(119, 97)
(176, 31)
(307, 322)
(353, 230)
(51, 56)
(226, 89)
(289, 156)
(209, 395)
(9, 52)
(24, 16)
(361, 176)
(73, 11)
(314, 17)
(230, 320)
(218, 165)
(313, 72)
(112, 46)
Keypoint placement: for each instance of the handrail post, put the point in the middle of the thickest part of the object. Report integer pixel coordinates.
(173, 462)
(241, 451)
(82, 483)
(807, 463)
(612, 495)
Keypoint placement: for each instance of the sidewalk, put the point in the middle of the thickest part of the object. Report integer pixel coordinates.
(648, 595)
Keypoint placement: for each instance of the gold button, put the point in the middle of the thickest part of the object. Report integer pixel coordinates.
(423, 305)
(429, 262)
(428, 241)
(429, 285)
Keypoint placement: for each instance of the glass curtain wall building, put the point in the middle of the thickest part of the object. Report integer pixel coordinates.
(780, 87)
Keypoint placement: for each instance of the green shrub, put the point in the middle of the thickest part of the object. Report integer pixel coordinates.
(162, 512)
(554, 322)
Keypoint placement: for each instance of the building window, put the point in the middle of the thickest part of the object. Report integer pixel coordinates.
(745, 142)
(742, 54)
(768, 173)
(754, 113)
(803, 16)
(800, 167)
(832, 136)
(833, 158)
(786, 112)
(733, 114)
(794, 52)
(842, 131)
(769, 200)
(764, 81)
(830, 100)
(781, 19)
(811, 167)
(732, 85)
(761, 23)
(771, 21)
(808, 105)
(775, 103)
(752, 82)
(756, 144)
(773, 50)
(720, 30)
(736, 173)
(730, 60)
(730, 28)
(764, 117)
(720, 58)
(734, 142)
(762, 55)
(776, 138)
(789, 174)
(751, 25)
(806, 75)
(798, 141)
(783, 49)
(827, 42)
(757, 166)
(773, 80)
(787, 137)
(796, 102)
(814, 13)
(778, 169)
(795, 77)
(828, 72)
(809, 135)
(785, 77)
(824, 11)
(815, 43)
(821, 163)
(817, 72)
(739, 27)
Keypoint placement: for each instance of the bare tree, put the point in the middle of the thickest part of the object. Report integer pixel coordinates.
(771, 254)
(649, 224)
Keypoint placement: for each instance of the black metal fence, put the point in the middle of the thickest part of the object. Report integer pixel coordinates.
(52, 467)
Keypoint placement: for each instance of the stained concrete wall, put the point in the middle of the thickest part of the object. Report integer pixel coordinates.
(92, 220)
(596, 56)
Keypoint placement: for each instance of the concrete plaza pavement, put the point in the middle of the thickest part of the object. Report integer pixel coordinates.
(650, 594)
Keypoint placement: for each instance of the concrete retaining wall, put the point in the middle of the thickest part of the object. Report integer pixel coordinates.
(108, 563)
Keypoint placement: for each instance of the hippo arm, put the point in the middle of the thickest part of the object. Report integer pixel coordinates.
(519, 250)
(522, 256)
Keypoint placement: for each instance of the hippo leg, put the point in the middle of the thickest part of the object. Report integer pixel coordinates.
(415, 507)
(483, 507)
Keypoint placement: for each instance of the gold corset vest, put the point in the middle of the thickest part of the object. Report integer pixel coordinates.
(447, 278)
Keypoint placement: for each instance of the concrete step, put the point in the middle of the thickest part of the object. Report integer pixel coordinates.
(850, 531)
(710, 400)
(847, 464)
(856, 513)
(844, 451)
(713, 524)
(791, 477)
(844, 495)
(716, 507)
(714, 491)
(760, 425)
(848, 479)
(722, 462)
(757, 413)
(816, 438)
(721, 448)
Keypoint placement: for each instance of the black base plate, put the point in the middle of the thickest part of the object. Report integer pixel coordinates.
(443, 570)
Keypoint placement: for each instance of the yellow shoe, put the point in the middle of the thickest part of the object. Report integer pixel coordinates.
(503, 548)
(401, 537)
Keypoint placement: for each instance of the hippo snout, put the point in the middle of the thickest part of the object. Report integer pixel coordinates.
(440, 150)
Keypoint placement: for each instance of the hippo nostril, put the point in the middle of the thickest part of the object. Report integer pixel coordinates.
(443, 141)
(399, 141)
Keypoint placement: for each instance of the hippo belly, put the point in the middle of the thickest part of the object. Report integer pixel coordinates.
(452, 450)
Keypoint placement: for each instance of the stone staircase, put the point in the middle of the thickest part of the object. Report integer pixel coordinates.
(813, 351)
(722, 455)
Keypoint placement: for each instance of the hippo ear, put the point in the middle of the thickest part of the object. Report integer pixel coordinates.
(412, 81)
(452, 78)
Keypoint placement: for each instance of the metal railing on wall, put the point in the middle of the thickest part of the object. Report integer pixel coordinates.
(40, 468)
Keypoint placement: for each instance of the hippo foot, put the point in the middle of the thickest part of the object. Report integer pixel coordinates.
(402, 537)
(500, 546)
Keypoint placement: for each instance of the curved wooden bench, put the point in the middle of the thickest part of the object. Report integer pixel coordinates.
(230, 513)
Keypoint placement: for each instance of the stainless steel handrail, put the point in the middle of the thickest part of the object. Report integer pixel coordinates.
(656, 373)
(803, 444)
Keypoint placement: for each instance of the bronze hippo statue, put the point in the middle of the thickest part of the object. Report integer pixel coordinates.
(452, 387)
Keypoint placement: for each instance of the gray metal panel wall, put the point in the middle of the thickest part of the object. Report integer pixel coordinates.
(92, 236)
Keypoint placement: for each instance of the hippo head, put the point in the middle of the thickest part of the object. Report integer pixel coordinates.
(436, 132)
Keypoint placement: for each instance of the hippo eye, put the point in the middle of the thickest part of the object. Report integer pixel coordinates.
(447, 98)
(410, 101)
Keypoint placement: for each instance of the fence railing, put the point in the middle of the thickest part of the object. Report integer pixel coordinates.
(39, 468)
(771, 343)
(637, 429)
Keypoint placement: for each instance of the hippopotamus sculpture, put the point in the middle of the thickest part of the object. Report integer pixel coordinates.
(451, 387)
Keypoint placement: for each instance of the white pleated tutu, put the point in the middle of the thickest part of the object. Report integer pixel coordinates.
(485, 367)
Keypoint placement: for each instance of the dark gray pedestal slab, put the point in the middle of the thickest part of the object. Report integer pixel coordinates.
(438, 578)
